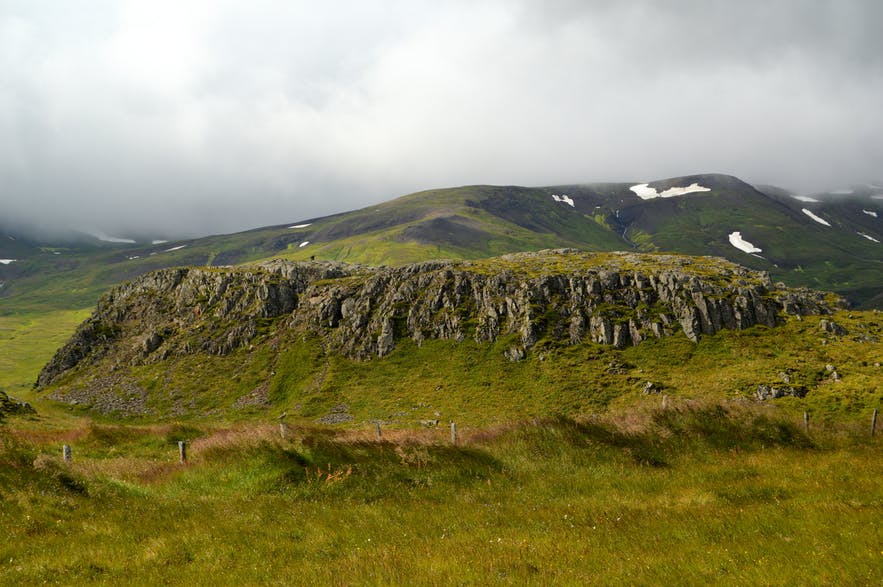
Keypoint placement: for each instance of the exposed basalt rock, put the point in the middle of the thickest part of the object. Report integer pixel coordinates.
(767, 392)
(11, 407)
(832, 327)
(339, 414)
(594, 304)
(109, 394)
(185, 310)
(615, 299)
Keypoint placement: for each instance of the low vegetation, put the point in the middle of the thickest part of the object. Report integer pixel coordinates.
(834, 377)
(699, 492)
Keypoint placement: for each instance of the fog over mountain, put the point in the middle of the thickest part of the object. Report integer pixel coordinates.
(191, 117)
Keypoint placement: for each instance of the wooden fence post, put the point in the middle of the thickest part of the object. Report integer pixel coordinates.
(664, 402)
(453, 433)
(377, 430)
(874, 422)
(283, 427)
(66, 453)
(806, 422)
(182, 451)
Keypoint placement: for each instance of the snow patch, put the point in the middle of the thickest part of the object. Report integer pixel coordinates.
(814, 217)
(301, 225)
(563, 198)
(133, 257)
(743, 245)
(111, 239)
(178, 248)
(869, 237)
(7, 261)
(303, 244)
(158, 242)
(645, 192)
(808, 199)
(870, 212)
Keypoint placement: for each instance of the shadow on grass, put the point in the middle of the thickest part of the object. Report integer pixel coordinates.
(666, 434)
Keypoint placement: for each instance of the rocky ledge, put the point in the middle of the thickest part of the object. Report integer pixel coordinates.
(565, 295)
(11, 407)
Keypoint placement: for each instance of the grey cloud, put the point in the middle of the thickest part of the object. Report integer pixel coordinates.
(216, 116)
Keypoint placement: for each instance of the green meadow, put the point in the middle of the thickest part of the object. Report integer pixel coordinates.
(697, 493)
(563, 471)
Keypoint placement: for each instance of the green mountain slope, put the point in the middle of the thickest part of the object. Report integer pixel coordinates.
(481, 221)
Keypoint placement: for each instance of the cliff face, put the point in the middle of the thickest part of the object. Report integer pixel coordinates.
(614, 299)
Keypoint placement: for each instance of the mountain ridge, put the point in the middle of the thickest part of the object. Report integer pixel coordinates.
(470, 222)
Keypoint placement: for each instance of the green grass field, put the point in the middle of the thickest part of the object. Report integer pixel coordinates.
(27, 342)
(713, 493)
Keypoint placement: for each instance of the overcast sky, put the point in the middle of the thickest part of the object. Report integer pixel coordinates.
(212, 116)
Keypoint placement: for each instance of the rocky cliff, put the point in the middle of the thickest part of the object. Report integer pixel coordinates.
(563, 295)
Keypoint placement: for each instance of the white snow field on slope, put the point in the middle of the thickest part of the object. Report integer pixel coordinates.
(807, 199)
(867, 236)
(301, 225)
(111, 239)
(303, 244)
(814, 217)
(7, 261)
(870, 213)
(645, 192)
(563, 198)
(178, 248)
(743, 245)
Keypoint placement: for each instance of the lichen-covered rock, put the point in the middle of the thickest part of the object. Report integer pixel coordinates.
(767, 392)
(615, 299)
(832, 327)
(11, 407)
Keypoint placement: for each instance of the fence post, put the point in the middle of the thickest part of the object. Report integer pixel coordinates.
(66, 453)
(664, 402)
(453, 433)
(874, 422)
(377, 430)
(806, 422)
(283, 427)
(182, 451)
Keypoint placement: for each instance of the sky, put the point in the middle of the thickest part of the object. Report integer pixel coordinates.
(191, 117)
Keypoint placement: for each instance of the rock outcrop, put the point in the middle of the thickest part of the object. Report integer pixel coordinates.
(11, 407)
(362, 312)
